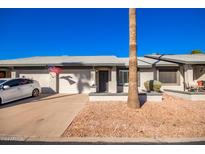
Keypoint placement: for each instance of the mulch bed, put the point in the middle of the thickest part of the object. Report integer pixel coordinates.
(174, 117)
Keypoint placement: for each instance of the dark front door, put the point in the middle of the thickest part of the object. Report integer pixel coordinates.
(103, 81)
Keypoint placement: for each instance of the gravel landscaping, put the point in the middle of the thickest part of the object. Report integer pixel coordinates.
(174, 117)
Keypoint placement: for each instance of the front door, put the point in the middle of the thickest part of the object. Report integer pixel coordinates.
(103, 81)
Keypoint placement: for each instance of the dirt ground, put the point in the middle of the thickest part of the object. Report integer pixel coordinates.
(174, 117)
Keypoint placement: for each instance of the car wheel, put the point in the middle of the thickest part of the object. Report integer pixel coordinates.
(35, 93)
(0, 101)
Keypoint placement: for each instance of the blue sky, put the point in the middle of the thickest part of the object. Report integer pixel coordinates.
(41, 32)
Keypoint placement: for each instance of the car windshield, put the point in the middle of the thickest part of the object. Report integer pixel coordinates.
(1, 81)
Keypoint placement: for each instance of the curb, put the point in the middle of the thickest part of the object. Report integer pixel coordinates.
(98, 140)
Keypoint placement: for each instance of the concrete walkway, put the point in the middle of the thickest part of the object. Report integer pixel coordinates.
(45, 116)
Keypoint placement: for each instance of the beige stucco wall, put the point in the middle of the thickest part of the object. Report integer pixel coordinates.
(91, 76)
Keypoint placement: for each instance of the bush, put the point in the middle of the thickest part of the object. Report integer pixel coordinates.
(153, 85)
(196, 52)
(157, 86)
(148, 86)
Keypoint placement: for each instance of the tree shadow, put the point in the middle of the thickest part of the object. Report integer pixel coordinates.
(82, 82)
(69, 79)
(142, 99)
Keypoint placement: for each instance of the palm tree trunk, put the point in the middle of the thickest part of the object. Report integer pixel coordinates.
(133, 99)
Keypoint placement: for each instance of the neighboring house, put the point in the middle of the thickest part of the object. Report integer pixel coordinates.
(85, 74)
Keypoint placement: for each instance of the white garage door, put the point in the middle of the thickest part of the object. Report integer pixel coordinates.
(75, 81)
(42, 77)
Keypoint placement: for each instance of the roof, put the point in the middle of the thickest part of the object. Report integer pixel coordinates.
(182, 59)
(148, 62)
(64, 61)
(143, 62)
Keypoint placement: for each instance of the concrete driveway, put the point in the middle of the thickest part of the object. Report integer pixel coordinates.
(44, 116)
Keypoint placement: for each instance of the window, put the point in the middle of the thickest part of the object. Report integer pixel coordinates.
(24, 81)
(13, 83)
(29, 81)
(1, 81)
(168, 76)
(123, 77)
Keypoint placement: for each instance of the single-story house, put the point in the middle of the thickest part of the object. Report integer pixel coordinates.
(85, 74)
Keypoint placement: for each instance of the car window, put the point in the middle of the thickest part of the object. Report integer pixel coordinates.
(13, 83)
(1, 81)
(23, 81)
(29, 81)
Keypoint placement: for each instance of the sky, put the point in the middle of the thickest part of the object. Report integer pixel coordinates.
(82, 32)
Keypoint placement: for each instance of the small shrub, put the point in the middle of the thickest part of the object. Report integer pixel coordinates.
(148, 86)
(157, 85)
(152, 85)
(197, 52)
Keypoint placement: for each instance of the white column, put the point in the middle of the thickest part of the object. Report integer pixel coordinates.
(13, 74)
(189, 74)
(53, 83)
(112, 85)
(93, 81)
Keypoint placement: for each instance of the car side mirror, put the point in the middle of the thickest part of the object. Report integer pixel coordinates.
(5, 87)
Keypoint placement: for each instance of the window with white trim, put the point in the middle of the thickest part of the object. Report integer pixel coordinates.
(123, 78)
(168, 76)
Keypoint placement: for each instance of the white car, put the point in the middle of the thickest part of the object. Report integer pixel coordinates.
(14, 89)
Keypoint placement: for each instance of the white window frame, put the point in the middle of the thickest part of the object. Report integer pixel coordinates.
(123, 83)
(126, 84)
(177, 76)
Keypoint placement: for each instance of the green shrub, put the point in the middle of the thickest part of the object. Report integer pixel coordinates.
(157, 86)
(196, 52)
(153, 85)
(148, 86)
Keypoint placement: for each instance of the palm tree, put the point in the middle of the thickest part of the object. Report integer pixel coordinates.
(133, 99)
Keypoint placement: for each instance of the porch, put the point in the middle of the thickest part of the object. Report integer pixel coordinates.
(194, 84)
(104, 80)
(194, 78)
(187, 95)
